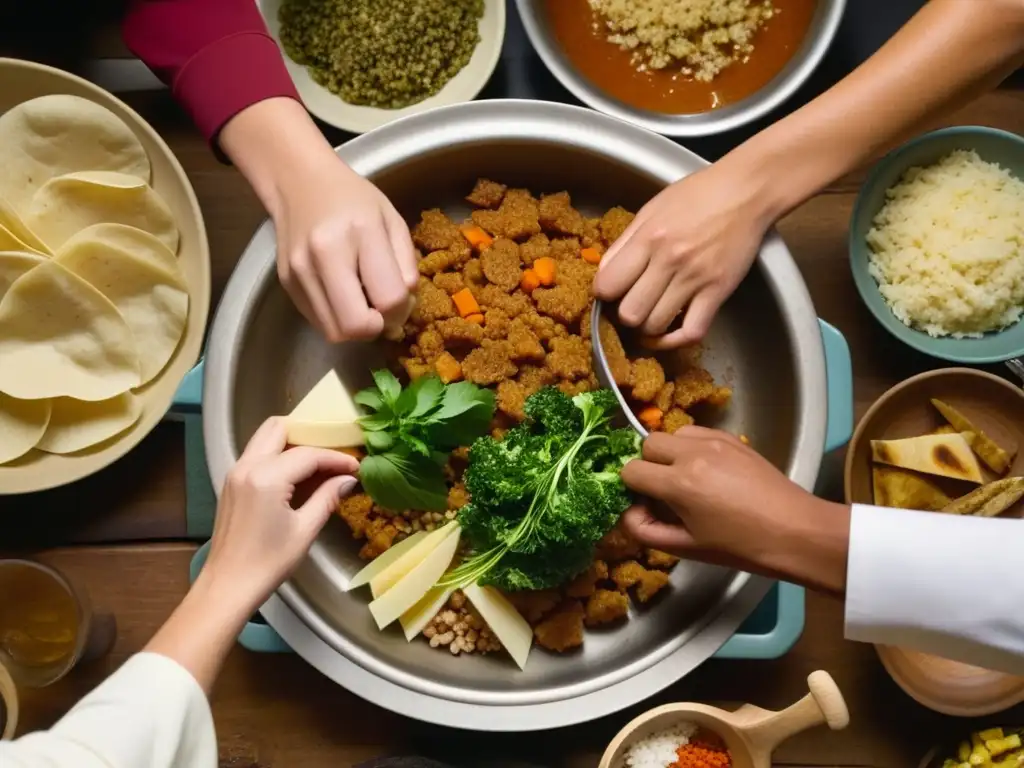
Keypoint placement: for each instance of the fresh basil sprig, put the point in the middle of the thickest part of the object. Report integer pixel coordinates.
(411, 432)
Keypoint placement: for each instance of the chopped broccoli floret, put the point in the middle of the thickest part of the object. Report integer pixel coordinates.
(546, 493)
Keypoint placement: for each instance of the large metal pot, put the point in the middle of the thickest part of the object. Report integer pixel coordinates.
(780, 88)
(262, 357)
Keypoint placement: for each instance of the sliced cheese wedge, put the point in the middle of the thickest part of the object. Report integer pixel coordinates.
(324, 434)
(943, 455)
(415, 620)
(384, 560)
(416, 583)
(327, 401)
(508, 625)
(416, 554)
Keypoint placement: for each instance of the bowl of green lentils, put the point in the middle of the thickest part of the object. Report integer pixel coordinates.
(359, 64)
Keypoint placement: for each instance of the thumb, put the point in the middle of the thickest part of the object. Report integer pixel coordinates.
(657, 534)
(318, 509)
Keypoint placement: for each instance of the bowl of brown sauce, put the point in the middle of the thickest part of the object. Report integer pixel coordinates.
(686, 69)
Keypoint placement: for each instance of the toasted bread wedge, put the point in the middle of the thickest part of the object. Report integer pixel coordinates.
(990, 499)
(997, 459)
(899, 488)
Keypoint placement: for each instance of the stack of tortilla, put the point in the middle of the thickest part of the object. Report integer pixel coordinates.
(93, 301)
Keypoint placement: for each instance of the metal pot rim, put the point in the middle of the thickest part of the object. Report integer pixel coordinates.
(295, 619)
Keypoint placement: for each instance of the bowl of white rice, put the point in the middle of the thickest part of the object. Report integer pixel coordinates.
(937, 244)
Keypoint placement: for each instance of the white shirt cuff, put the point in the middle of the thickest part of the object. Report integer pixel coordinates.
(943, 584)
(151, 713)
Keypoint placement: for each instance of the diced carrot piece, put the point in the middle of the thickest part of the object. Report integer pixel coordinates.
(466, 303)
(448, 368)
(591, 255)
(476, 236)
(530, 281)
(477, 318)
(651, 417)
(545, 269)
(744, 439)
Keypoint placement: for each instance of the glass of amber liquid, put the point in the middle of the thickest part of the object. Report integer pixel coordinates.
(44, 623)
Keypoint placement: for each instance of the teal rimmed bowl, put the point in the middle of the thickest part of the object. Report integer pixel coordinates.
(992, 145)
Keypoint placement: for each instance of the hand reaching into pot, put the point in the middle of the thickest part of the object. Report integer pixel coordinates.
(344, 254)
(686, 251)
(272, 507)
(728, 505)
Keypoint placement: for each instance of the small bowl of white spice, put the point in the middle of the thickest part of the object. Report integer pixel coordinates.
(937, 244)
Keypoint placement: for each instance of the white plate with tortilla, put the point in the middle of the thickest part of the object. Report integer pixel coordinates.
(104, 278)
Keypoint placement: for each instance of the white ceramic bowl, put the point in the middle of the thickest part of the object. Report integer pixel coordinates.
(465, 86)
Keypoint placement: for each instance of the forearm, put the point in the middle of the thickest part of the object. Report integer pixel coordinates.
(949, 52)
(202, 630)
(252, 140)
(216, 56)
(811, 549)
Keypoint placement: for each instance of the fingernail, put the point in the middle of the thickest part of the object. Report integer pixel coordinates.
(345, 485)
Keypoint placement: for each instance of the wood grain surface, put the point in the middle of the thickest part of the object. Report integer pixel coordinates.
(275, 711)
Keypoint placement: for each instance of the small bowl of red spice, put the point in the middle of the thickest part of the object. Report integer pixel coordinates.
(700, 736)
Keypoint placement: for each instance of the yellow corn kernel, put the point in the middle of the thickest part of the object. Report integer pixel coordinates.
(963, 752)
(998, 746)
(980, 757)
(991, 733)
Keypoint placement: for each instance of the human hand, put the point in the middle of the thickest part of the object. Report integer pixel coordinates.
(687, 249)
(259, 535)
(344, 254)
(734, 508)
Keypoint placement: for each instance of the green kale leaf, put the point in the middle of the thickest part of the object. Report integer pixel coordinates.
(546, 493)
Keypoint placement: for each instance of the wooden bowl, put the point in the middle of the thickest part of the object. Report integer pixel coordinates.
(8, 705)
(950, 687)
(750, 733)
(997, 407)
(36, 471)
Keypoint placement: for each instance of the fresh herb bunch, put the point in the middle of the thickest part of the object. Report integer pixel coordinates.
(544, 495)
(410, 434)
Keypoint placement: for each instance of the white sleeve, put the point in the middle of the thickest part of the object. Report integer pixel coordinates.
(151, 713)
(948, 585)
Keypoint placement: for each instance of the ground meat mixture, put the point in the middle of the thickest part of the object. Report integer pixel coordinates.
(517, 339)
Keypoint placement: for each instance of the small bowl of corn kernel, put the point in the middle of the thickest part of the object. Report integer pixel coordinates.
(989, 748)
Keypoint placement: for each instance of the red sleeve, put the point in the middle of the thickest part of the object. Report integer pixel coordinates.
(216, 55)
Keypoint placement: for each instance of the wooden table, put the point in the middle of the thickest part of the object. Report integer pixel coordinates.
(121, 534)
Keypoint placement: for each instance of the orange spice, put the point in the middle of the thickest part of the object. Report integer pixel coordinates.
(705, 750)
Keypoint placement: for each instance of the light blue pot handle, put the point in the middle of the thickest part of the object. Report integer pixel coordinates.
(189, 396)
(839, 376)
(778, 641)
(261, 638)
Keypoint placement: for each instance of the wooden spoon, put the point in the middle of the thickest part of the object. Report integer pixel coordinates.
(750, 733)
